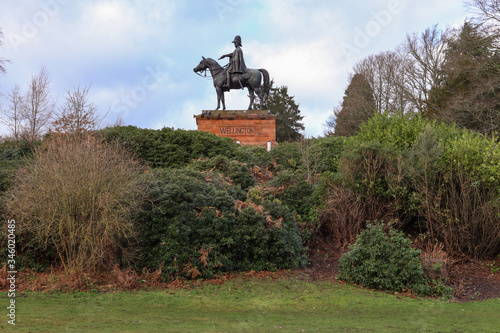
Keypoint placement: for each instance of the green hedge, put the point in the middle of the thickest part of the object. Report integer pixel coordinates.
(169, 148)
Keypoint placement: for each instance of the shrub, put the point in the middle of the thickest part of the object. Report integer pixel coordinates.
(462, 214)
(455, 190)
(373, 169)
(294, 190)
(440, 177)
(398, 130)
(267, 238)
(238, 172)
(286, 155)
(252, 155)
(76, 197)
(196, 225)
(309, 156)
(13, 155)
(475, 154)
(331, 149)
(383, 260)
(169, 148)
(343, 214)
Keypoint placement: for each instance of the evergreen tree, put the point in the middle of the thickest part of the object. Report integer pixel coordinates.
(357, 107)
(470, 92)
(288, 121)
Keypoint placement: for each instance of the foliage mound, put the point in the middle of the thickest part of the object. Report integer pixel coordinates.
(383, 260)
(197, 224)
(237, 172)
(169, 148)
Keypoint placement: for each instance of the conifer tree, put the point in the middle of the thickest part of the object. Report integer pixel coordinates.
(470, 92)
(357, 107)
(288, 121)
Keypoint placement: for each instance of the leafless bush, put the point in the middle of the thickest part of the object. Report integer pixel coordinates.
(436, 262)
(345, 215)
(77, 197)
(471, 219)
(462, 214)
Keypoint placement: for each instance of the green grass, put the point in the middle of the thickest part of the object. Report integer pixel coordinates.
(249, 305)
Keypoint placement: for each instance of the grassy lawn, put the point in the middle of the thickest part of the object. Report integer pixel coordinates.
(248, 305)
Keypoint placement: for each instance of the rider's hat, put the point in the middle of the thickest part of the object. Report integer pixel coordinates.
(237, 39)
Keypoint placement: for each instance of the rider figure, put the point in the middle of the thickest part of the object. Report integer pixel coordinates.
(236, 62)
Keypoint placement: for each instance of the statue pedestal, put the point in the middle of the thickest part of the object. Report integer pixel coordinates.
(248, 127)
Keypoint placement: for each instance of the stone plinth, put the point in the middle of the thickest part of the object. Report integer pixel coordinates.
(248, 127)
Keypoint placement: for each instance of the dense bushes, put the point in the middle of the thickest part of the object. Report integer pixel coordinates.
(217, 206)
(434, 177)
(383, 260)
(196, 220)
(197, 225)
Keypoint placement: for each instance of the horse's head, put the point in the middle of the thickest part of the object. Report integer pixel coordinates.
(203, 65)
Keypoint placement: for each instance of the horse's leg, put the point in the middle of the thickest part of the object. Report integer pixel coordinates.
(261, 97)
(223, 100)
(218, 90)
(252, 96)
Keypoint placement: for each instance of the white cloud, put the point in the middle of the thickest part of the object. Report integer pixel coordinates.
(309, 67)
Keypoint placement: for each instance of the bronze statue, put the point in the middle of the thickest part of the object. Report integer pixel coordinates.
(235, 75)
(236, 62)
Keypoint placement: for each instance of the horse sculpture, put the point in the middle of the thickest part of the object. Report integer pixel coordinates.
(251, 80)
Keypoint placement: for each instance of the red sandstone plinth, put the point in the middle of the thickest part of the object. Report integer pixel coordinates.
(249, 127)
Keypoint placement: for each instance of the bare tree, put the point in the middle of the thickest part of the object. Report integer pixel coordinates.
(385, 73)
(77, 115)
(37, 105)
(3, 61)
(426, 54)
(486, 11)
(13, 117)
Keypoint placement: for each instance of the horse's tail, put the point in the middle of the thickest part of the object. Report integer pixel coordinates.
(265, 74)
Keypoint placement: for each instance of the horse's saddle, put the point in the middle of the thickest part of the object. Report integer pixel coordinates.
(245, 75)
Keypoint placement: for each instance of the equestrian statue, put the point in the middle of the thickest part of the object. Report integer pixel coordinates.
(235, 75)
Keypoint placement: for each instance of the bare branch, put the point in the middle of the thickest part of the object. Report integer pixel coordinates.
(486, 11)
(77, 115)
(37, 106)
(13, 117)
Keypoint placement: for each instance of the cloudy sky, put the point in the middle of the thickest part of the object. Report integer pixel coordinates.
(138, 55)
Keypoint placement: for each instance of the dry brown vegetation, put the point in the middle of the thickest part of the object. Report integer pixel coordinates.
(76, 197)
